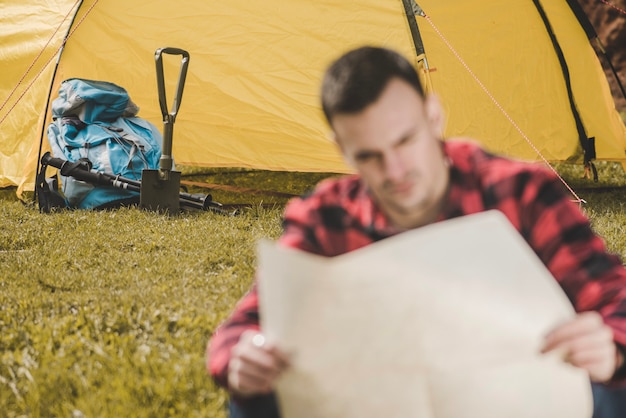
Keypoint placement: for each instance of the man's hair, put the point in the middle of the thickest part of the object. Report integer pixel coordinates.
(357, 78)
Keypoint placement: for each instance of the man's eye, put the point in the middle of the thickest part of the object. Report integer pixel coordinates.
(365, 157)
(409, 140)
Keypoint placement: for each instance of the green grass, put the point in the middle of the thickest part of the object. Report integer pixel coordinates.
(605, 201)
(108, 313)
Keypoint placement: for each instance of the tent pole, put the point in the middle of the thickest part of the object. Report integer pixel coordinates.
(54, 73)
(411, 9)
(586, 145)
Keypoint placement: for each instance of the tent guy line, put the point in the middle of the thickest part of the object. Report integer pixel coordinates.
(32, 64)
(56, 54)
(577, 199)
(622, 11)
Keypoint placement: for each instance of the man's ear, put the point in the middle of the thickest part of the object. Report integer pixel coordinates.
(434, 113)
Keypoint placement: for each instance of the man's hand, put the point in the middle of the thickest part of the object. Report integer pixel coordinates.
(587, 342)
(255, 364)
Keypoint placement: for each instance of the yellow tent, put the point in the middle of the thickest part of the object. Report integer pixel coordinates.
(251, 95)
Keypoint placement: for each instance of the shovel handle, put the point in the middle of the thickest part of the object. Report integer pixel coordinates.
(158, 56)
(169, 117)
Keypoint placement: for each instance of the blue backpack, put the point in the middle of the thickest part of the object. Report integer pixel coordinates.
(96, 120)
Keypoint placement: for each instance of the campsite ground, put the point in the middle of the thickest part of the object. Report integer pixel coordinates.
(108, 313)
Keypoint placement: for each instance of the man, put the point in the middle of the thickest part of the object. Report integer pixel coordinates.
(407, 178)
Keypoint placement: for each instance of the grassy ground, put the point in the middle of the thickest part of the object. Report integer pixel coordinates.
(108, 313)
(605, 201)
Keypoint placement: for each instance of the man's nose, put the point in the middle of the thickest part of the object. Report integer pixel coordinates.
(394, 166)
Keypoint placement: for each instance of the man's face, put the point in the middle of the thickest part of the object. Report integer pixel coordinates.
(394, 145)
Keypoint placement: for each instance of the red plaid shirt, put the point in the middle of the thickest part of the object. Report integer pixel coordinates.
(340, 216)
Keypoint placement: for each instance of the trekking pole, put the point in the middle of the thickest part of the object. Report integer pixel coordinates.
(81, 170)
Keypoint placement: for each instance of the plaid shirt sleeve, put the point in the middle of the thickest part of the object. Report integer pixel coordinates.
(592, 278)
(310, 224)
(245, 316)
(542, 210)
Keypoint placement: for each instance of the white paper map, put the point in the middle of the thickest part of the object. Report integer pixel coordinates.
(445, 321)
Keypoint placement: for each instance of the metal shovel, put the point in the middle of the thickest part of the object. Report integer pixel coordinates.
(160, 188)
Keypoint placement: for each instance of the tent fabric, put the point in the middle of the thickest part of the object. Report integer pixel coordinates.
(28, 29)
(251, 93)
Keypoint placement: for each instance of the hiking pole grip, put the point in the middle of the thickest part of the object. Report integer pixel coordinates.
(169, 116)
(48, 159)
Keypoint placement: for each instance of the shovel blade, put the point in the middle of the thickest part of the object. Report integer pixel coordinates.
(160, 195)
